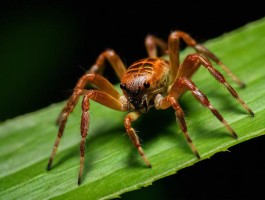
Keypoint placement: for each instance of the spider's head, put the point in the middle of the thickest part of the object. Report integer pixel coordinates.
(138, 93)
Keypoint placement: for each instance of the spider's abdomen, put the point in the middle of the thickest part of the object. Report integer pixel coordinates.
(154, 71)
(143, 80)
(152, 66)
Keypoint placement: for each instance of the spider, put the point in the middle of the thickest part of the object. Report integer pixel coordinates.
(149, 82)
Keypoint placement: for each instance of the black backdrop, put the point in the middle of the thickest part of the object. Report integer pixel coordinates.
(46, 46)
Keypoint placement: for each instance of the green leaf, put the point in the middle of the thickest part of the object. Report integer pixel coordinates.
(113, 165)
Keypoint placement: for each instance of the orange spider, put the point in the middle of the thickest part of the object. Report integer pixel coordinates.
(149, 82)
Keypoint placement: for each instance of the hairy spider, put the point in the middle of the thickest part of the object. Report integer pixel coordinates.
(149, 82)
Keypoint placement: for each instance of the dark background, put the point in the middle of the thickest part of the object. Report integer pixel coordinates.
(46, 46)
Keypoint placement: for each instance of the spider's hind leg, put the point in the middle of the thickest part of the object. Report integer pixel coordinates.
(192, 63)
(203, 50)
(173, 44)
(106, 56)
(201, 98)
(152, 43)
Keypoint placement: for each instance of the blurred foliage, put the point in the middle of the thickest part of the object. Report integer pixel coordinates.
(35, 49)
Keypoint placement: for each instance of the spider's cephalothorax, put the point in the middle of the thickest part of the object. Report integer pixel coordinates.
(148, 82)
(143, 81)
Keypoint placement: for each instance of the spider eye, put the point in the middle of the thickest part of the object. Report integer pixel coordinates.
(123, 86)
(146, 84)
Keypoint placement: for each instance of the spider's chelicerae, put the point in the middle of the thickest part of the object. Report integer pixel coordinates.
(149, 82)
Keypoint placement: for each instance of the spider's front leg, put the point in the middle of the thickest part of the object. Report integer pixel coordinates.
(94, 79)
(106, 95)
(132, 134)
(182, 84)
(165, 102)
(104, 99)
(100, 97)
